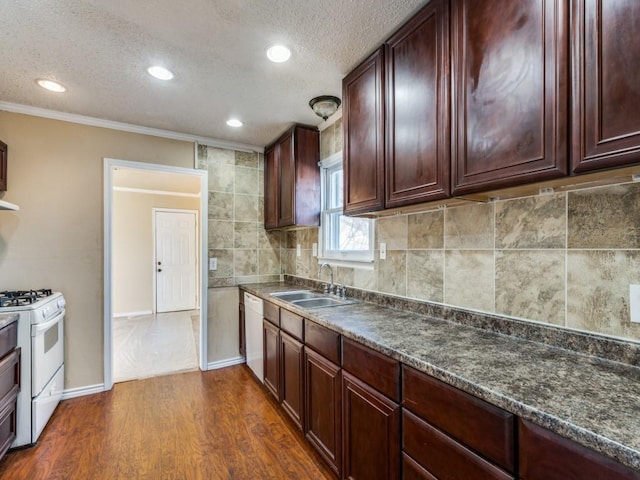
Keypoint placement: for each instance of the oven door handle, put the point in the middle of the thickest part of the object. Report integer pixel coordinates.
(41, 327)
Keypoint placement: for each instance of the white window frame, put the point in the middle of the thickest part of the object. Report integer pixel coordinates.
(362, 259)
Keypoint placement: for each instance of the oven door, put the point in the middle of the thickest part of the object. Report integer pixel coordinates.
(47, 351)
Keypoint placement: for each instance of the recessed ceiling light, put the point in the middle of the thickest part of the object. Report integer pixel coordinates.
(278, 53)
(52, 86)
(234, 122)
(160, 73)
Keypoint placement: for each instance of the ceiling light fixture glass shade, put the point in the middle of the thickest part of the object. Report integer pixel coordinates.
(52, 86)
(160, 73)
(234, 122)
(278, 53)
(325, 105)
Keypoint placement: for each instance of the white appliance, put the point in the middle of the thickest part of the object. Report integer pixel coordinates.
(253, 334)
(41, 337)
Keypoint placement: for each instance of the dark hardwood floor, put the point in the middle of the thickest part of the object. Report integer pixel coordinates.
(197, 425)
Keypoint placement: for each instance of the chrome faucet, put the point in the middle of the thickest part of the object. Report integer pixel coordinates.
(330, 272)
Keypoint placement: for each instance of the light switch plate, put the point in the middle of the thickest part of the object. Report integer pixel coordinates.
(383, 251)
(298, 250)
(213, 263)
(634, 303)
(314, 249)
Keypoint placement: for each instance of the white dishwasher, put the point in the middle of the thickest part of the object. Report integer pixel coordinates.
(253, 332)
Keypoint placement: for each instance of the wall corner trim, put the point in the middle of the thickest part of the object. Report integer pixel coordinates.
(82, 391)
(225, 363)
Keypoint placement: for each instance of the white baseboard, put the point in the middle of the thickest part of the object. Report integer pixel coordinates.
(82, 391)
(132, 314)
(225, 363)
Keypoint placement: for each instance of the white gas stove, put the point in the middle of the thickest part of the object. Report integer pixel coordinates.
(41, 338)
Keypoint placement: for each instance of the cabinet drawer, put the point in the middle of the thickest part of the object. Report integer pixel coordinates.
(7, 423)
(547, 456)
(9, 374)
(484, 428)
(374, 368)
(8, 338)
(443, 456)
(271, 312)
(412, 470)
(292, 324)
(322, 340)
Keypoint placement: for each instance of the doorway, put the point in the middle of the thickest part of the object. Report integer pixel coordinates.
(144, 203)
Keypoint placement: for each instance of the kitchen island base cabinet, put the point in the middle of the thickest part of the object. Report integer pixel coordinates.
(371, 433)
(547, 456)
(292, 385)
(323, 410)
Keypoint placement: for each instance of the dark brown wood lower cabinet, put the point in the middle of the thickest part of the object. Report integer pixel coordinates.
(292, 391)
(271, 351)
(371, 432)
(547, 456)
(412, 470)
(323, 412)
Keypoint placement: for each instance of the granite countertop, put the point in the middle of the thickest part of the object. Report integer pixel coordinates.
(591, 400)
(8, 319)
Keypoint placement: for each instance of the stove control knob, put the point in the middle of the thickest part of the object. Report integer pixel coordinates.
(44, 313)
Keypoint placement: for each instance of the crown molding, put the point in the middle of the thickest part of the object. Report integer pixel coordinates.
(126, 127)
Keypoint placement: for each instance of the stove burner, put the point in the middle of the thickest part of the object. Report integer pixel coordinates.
(22, 297)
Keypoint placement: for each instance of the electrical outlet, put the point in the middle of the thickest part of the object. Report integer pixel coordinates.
(383, 251)
(298, 250)
(213, 263)
(314, 249)
(634, 303)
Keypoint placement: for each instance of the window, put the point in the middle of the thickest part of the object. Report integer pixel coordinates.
(342, 238)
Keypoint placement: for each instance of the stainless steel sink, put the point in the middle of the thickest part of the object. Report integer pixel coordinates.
(319, 302)
(298, 295)
(312, 299)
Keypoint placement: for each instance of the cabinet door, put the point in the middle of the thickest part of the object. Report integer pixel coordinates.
(363, 146)
(287, 181)
(323, 413)
(606, 105)
(371, 432)
(418, 109)
(292, 392)
(510, 81)
(271, 187)
(242, 343)
(271, 351)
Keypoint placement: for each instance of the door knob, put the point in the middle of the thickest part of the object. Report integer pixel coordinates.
(159, 269)
(159, 263)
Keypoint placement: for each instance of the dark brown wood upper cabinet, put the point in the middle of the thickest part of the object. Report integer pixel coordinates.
(292, 179)
(606, 100)
(3, 166)
(418, 109)
(363, 147)
(510, 69)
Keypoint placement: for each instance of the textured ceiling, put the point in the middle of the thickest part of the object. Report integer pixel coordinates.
(100, 49)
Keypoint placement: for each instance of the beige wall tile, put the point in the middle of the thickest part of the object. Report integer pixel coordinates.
(221, 206)
(425, 275)
(327, 142)
(344, 276)
(225, 262)
(338, 135)
(220, 156)
(245, 159)
(246, 208)
(598, 291)
(469, 226)
(221, 177)
(393, 232)
(605, 217)
(220, 234)
(530, 284)
(468, 279)
(245, 235)
(245, 262)
(269, 239)
(268, 262)
(246, 181)
(533, 222)
(365, 279)
(288, 260)
(392, 273)
(426, 230)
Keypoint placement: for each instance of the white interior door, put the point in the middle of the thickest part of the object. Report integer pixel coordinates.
(176, 261)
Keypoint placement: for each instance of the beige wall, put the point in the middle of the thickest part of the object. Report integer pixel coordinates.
(565, 259)
(132, 259)
(56, 239)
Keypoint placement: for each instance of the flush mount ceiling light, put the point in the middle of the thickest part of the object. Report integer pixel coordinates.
(51, 86)
(278, 53)
(160, 73)
(234, 122)
(325, 105)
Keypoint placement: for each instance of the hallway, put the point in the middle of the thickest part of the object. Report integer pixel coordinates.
(152, 345)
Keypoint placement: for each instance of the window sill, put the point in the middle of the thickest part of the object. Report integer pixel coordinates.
(363, 265)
